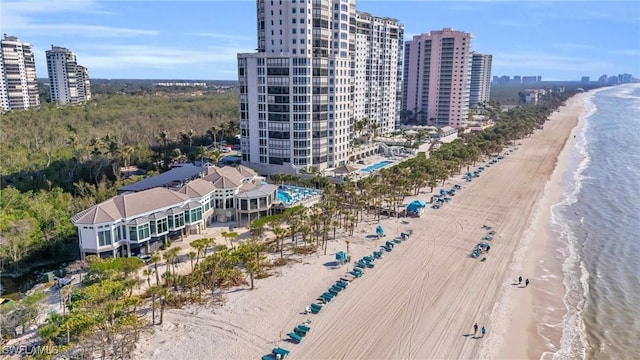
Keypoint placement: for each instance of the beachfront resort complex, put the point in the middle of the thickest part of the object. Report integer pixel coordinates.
(322, 91)
(325, 74)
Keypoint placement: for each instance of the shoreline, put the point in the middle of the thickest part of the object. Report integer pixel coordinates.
(427, 289)
(528, 335)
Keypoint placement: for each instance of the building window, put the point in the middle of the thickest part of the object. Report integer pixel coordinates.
(143, 232)
(104, 238)
(196, 215)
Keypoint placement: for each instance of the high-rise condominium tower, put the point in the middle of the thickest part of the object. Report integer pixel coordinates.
(480, 87)
(437, 71)
(378, 72)
(69, 82)
(18, 81)
(297, 92)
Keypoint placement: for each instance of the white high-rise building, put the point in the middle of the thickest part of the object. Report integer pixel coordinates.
(69, 82)
(18, 81)
(378, 71)
(297, 93)
(82, 81)
(480, 86)
(437, 71)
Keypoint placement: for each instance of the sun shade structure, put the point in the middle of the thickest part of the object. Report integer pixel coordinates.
(345, 169)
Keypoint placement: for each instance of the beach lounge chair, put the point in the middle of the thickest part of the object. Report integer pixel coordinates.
(327, 295)
(389, 243)
(333, 292)
(303, 328)
(355, 274)
(280, 351)
(368, 258)
(377, 254)
(267, 357)
(315, 308)
(299, 332)
(295, 337)
(488, 237)
(492, 232)
(369, 265)
(360, 264)
(386, 248)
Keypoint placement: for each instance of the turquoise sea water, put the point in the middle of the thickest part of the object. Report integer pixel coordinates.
(597, 225)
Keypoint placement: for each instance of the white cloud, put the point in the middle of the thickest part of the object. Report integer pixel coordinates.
(223, 36)
(629, 52)
(18, 18)
(137, 56)
(572, 46)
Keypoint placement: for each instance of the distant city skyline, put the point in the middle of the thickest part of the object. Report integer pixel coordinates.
(199, 40)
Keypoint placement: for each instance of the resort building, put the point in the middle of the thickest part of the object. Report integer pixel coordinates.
(437, 71)
(480, 85)
(297, 92)
(68, 81)
(138, 221)
(18, 81)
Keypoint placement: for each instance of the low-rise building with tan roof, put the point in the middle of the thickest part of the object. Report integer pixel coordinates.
(136, 222)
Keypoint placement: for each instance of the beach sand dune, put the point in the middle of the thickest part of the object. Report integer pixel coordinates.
(419, 302)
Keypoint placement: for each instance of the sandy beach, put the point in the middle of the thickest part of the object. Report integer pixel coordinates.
(421, 300)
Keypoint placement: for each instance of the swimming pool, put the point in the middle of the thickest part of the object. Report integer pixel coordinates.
(377, 166)
(283, 196)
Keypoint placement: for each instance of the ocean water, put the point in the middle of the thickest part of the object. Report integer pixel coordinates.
(597, 232)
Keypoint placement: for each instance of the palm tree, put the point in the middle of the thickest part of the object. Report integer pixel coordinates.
(155, 259)
(164, 137)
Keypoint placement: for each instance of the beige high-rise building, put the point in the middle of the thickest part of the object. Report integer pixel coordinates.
(69, 82)
(437, 71)
(18, 81)
(298, 94)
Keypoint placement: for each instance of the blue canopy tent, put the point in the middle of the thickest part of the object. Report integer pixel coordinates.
(341, 257)
(416, 206)
(379, 231)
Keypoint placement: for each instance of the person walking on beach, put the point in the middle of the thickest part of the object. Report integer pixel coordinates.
(475, 329)
(526, 283)
(483, 331)
(519, 280)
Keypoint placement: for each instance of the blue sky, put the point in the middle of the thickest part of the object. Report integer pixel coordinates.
(170, 39)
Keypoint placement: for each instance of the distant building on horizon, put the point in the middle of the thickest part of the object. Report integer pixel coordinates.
(18, 80)
(480, 86)
(437, 77)
(585, 79)
(68, 81)
(319, 67)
